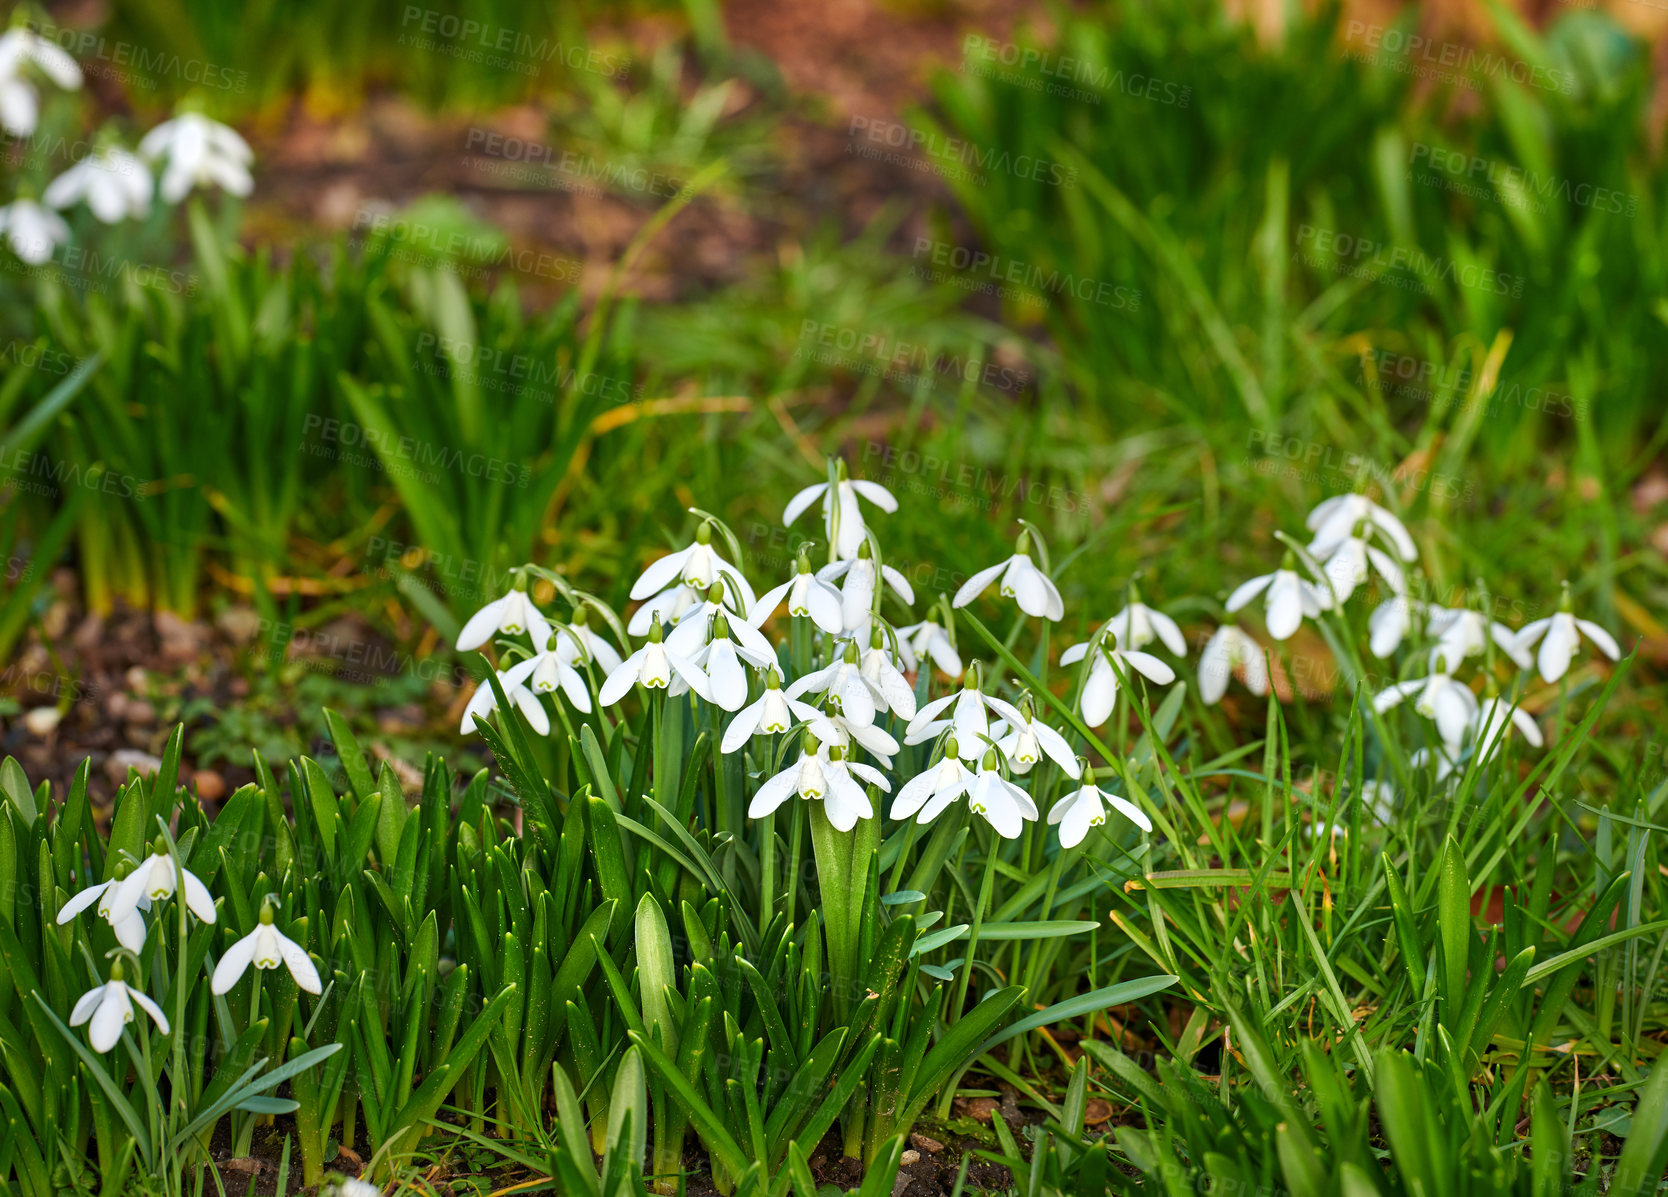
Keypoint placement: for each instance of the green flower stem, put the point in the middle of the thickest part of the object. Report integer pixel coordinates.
(979, 910)
(796, 849)
(767, 869)
(842, 879)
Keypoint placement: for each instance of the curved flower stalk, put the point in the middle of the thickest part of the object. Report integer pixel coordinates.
(1289, 598)
(1085, 807)
(1020, 579)
(130, 931)
(1023, 739)
(33, 231)
(842, 518)
(1229, 648)
(512, 614)
(1560, 638)
(857, 593)
(807, 595)
(20, 49)
(1390, 622)
(155, 879)
(928, 641)
(1100, 686)
(115, 185)
(652, 667)
(1335, 519)
(109, 1008)
(200, 153)
(265, 947)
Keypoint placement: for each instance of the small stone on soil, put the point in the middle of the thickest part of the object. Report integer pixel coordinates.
(926, 1144)
(116, 766)
(42, 721)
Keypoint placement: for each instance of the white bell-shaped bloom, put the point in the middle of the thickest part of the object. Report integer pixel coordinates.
(1020, 580)
(819, 776)
(1100, 688)
(1085, 807)
(1138, 625)
(514, 681)
(669, 605)
(1289, 599)
(926, 641)
(808, 597)
(835, 730)
(771, 714)
(155, 878)
(857, 592)
(934, 788)
(550, 671)
(1023, 739)
(842, 519)
(653, 666)
(1346, 565)
(1389, 623)
(130, 931)
(717, 618)
(1439, 698)
(578, 645)
(1230, 648)
(1560, 637)
(115, 184)
(21, 48)
(200, 153)
(730, 642)
(880, 669)
(1461, 632)
(265, 947)
(33, 231)
(1494, 721)
(512, 615)
(1003, 804)
(844, 681)
(698, 566)
(110, 1008)
(968, 719)
(1336, 518)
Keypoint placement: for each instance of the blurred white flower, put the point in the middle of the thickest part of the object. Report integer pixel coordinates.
(200, 153)
(1560, 637)
(1230, 648)
(32, 231)
(115, 185)
(1100, 688)
(110, 1008)
(265, 947)
(19, 102)
(1460, 633)
(1345, 563)
(1021, 581)
(842, 519)
(1289, 599)
(1137, 625)
(1441, 699)
(1389, 623)
(1336, 519)
(514, 681)
(928, 641)
(1495, 719)
(512, 615)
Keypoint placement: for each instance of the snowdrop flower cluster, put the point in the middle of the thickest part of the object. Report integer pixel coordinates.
(132, 892)
(851, 707)
(23, 53)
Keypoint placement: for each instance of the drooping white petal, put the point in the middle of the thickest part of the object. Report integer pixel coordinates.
(300, 964)
(1246, 591)
(234, 963)
(977, 584)
(1605, 641)
(797, 505)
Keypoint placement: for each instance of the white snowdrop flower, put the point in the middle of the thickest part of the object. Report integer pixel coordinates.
(1389, 623)
(356, 1188)
(1100, 689)
(1494, 721)
(1378, 799)
(514, 681)
(1137, 625)
(130, 931)
(1289, 599)
(110, 1008)
(1228, 649)
(578, 644)
(1003, 804)
(1461, 632)
(835, 730)
(808, 596)
(968, 720)
(669, 606)
(115, 185)
(549, 671)
(772, 714)
(934, 788)
(653, 666)
(1085, 807)
(1560, 637)
(512, 615)
(713, 619)
(880, 670)
(265, 947)
(842, 519)
(697, 566)
(155, 878)
(925, 641)
(857, 593)
(32, 231)
(1441, 699)
(1023, 739)
(720, 658)
(1439, 755)
(818, 776)
(21, 48)
(1335, 519)
(844, 681)
(1021, 581)
(200, 153)
(1345, 564)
